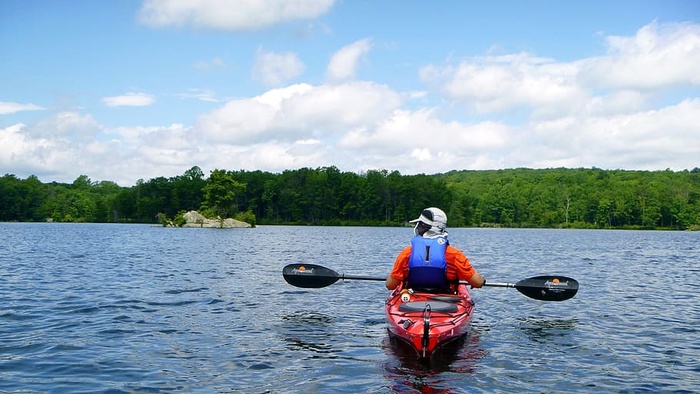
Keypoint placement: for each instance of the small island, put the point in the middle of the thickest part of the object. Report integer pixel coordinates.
(195, 219)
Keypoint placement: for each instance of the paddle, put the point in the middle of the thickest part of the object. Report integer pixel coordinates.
(544, 288)
(315, 276)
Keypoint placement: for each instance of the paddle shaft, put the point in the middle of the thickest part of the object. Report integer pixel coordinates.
(494, 284)
(361, 277)
(461, 282)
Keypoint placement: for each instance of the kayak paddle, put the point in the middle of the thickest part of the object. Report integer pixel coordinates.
(315, 276)
(544, 288)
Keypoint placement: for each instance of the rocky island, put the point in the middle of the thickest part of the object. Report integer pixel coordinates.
(195, 219)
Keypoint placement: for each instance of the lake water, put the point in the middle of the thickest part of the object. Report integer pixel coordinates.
(136, 308)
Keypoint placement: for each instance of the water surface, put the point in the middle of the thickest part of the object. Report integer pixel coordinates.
(136, 308)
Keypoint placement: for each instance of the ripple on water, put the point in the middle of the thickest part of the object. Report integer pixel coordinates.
(112, 308)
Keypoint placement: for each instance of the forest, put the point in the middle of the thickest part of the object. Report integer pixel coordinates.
(520, 197)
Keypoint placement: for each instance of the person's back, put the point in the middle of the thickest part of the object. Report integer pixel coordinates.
(427, 266)
(430, 262)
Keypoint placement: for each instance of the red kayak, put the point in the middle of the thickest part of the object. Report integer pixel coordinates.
(428, 321)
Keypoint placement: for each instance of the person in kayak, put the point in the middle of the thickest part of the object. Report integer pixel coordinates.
(430, 262)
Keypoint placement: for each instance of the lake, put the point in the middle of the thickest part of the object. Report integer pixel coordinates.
(144, 309)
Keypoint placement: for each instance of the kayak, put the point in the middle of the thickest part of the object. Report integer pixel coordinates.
(427, 321)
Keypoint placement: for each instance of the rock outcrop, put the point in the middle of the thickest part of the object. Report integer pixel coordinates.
(195, 219)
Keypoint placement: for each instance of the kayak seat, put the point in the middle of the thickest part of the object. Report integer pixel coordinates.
(446, 298)
(431, 290)
(435, 306)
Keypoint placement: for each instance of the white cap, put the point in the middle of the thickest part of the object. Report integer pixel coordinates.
(434, 217)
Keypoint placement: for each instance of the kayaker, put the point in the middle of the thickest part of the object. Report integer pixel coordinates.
(430, 262)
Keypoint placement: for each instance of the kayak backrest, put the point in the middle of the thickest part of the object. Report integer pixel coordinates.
(427, 278)
(435, 306)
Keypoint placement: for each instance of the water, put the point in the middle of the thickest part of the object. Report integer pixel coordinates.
(135, 308)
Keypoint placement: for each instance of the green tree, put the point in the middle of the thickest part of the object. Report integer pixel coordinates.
(220, 193)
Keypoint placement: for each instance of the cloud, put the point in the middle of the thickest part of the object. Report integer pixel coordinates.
(299, 112)
(200, 94)
(657, 58)
(209, 65)
(66, 125)
(52, 146)
(70, 144)
(343, 65)
(129, 100)
(647, 140)
(225, 15)
(485, 112)
(494, 84)
(275, 69)
(7, 108)
(421, 142)
(28, 155)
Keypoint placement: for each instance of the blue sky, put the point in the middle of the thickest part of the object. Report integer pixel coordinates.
(127, 90)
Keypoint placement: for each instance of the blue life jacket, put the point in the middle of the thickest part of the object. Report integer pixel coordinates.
(427, 265)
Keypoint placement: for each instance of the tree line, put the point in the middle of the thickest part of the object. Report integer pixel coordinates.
(548, 198)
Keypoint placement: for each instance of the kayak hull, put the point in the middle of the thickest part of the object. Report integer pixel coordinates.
(427, 321)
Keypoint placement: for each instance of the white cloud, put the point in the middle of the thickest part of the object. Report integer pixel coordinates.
(617, 102)
(343, 64)
(420, 141)
(227, 15)
(65, 125)
(656, 57)
(299, 112)
(495, 84)
(175, 136)
(14, 144)
(208, 65)
(129, 100)
(7, 108)
(272, 155)
(37, 154)
(69, 144)
(205, 95)
(275, 69)
(654, 139)
(512, 110)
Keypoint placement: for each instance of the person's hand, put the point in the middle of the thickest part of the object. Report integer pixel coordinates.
(477, 287)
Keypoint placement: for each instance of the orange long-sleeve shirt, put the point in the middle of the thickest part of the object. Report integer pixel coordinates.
(458, 265)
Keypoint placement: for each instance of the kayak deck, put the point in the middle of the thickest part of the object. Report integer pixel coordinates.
(428, 321)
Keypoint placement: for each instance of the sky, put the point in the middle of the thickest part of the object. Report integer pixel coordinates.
(127, 90)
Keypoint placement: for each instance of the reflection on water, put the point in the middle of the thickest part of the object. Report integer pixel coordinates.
(407, 373)
(544, 330)
(307, 331)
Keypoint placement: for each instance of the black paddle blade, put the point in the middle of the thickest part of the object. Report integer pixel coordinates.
(310, 276)
(548, 288)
